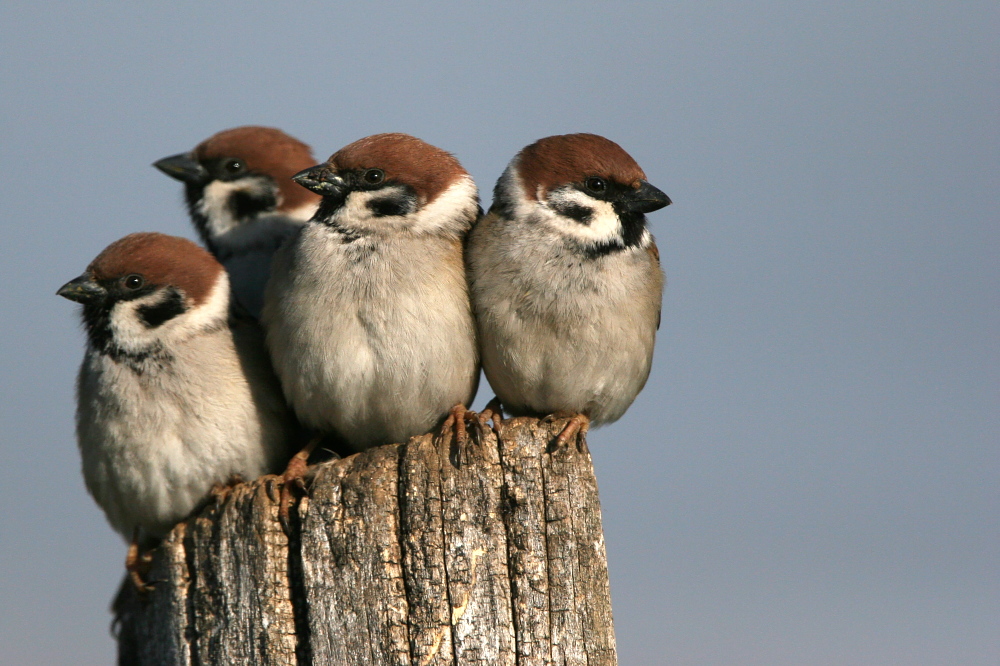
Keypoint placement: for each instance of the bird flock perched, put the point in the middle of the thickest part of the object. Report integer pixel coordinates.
(355, 299)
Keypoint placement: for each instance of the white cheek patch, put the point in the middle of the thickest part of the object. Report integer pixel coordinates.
(451, 211)
(602, 227)
(355, 213)
(132, 334)
(215, 207)
(211, 313)
(127, 327)
(215, 202)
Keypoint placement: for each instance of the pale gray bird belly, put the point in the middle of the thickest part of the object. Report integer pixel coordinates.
(376, 347)
(559, 332)
(597, 367)
(152, 446)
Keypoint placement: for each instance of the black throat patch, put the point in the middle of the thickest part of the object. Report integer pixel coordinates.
(633, 224)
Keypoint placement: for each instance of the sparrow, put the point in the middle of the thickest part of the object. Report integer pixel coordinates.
(243, 202)
(566, 283)
(174, 395)
(367, 311)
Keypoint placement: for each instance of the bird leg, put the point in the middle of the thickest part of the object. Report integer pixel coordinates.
(578, 425)
(455, 423)
(454, 431)
(138, 564)
(292, 478)
(494, 411)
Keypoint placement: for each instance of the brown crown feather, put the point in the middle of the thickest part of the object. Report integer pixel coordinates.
(404, 158)
(160, 260)
(572, 158)
(265, 150)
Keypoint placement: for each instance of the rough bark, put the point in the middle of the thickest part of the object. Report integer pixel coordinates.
(424, 553)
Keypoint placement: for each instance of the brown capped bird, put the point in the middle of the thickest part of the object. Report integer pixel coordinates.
(243, 203)
(174, 396)
(367, 312)
(566, 281)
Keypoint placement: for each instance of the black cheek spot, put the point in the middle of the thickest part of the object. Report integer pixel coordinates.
(245, 204)
(159, 313)
(390, 206)
(575, 211)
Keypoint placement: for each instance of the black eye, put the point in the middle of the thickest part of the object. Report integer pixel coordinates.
(374, 176)
(133, 281)
(233, 166)
(596, 185)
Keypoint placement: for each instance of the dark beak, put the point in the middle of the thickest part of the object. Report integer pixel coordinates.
(82, 290)
(183, 167)
(321, 180)
(645, 199)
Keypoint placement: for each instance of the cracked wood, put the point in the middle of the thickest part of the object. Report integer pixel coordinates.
(427, 553)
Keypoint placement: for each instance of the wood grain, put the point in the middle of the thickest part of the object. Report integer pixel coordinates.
(434, 552)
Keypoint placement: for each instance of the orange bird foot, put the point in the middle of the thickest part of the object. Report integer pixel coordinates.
(292, 484)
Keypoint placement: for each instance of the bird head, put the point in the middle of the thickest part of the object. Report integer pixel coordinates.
(584, 188)
(389, 183)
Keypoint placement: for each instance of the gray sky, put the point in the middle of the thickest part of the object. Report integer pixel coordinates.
(811, 475)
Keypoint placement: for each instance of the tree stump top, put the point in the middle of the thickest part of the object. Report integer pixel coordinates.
(424, 553)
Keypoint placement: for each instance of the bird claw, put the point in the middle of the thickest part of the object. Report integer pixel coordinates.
(291, 491)
(577, 426)
(493, 411)
(138, 565)
(454, 425)
(456, 433)
(293, 487)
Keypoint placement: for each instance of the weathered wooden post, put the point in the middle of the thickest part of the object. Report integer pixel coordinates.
(424, 553)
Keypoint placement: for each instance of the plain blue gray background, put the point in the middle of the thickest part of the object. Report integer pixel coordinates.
(811, 475)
